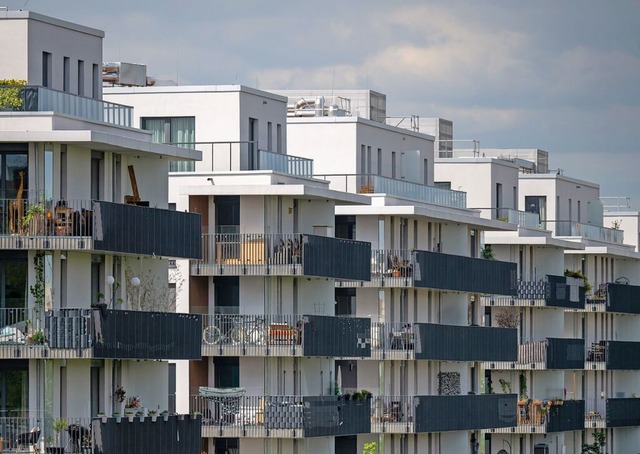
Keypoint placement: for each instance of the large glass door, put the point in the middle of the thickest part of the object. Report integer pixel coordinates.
(13, 288)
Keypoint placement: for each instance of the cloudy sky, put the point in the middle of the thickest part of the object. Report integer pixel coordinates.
(563, 76)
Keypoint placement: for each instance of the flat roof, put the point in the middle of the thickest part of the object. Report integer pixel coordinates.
(291, 121)
(30, 15)
(173, 89)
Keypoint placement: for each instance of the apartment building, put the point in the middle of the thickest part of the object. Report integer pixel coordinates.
(424, 294)
(574, 307)
(265, 282)
(86, 319)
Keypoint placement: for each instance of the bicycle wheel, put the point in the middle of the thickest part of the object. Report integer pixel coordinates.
(238, 335)
(257, 335)
(212, 335)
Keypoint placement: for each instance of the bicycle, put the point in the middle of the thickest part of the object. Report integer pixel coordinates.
(243, 331)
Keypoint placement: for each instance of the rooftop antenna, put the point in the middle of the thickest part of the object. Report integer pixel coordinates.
(25, 4)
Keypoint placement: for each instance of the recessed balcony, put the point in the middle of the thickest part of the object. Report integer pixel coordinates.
(238, 415)
(588, 231)
(547, 416)
(614, 297)
(436, 342)
(93, 333)
(612, 412)
(613, 355)
(285, 335)
(282, 254)
(552, 291)
(419, 414)
(423, 269)
(41, 99)
(95, 225)
(550, 353)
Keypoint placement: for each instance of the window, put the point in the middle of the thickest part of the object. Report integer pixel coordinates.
(96, 82)
(175, 130)
(442, 185)
(279, 138)
(96, 79)
(46, 69)
(536, 204)
(269, 136)
(393, 165)
(379, 161)
(66, 67)
(80, 78)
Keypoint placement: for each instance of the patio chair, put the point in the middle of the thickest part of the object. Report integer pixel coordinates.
(78, 436)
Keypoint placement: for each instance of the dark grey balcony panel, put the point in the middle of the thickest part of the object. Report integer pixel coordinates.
(466, 274)
(177, 435)
(559, 294)
(337, 258)
(147, 335)
(466, 412)
(565, 353)
(622, 355)
(623, 412)
(327, 416)
(132, 229)
(69, 328)
(465, 343)
(623, 298)
(337, 336)
(565, 417)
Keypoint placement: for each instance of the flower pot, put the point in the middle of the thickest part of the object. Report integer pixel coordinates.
(141, 418)
(154, 418)
(118, 419)
(131, 417)
(103, 418)
(165, 417)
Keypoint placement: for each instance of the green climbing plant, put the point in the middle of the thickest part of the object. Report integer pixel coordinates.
(599, 439)
(37, 289)
(370, 448)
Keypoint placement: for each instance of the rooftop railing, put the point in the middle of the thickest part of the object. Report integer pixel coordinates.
(376, 184)
(521, 218)
(42, 99)
(592, 232)
(245, 155)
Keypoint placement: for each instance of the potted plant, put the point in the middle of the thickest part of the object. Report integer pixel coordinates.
(33, 219)
(58, 425)
(195, 414)
(140, 414)
(154, 415)
(117, 415)
(37, 338)
(165, 415)
(103, 417)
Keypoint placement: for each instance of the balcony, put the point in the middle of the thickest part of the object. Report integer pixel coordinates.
(245, 155)
(95, 225)
(285, 335)
(435, 342)
(87, 333)
(553, 291)
(423, 269)
(588, 231)
(41, 99)
(551, 353)
(282, 254)
(547, 416)
(175, 434)
(419, 414)
(520, 218)
(614, 297)
(375, 184)
(613, 355)
(239, 415)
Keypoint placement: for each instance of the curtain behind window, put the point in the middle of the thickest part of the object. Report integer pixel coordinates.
(183, 130)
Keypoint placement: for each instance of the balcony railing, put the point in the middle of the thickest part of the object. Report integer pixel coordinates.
(623, 412)
(592, 232)
(285, 335)
(282, 416)
(85, 224)
(284, 163)
(455, 272)
(553, 291)
(87, 333)
(41, 99)
(288, 254)
(521, 218)
(245, 155)
(596, 413)
(36, 434)
(549, 415)
(375, 184)
(614, 297)
(464, 412)
(613, 355)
